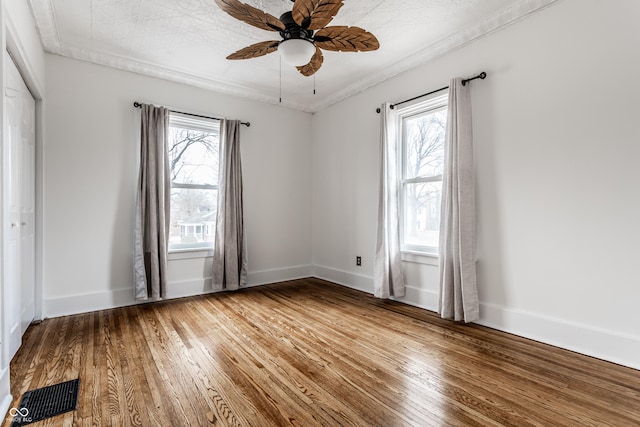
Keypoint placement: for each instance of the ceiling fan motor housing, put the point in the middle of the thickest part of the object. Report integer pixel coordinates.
(293, 30)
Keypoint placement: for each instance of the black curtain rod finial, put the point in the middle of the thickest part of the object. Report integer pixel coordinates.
(482, 76)
(390, 106)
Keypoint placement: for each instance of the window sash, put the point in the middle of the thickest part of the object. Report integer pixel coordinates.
(191, 246)
(420, 109)
(434, 178)
(412, 247)
(212, 126)
(431, 107)
(194, 186)
(191, 229)
(187, 121)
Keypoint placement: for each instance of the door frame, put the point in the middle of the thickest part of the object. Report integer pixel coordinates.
(17, 52)
(10, 40)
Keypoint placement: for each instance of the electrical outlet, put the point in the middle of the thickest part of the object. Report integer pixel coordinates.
(358, 260)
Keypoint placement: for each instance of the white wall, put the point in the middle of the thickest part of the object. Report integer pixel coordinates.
(90, 171)
(557, 155)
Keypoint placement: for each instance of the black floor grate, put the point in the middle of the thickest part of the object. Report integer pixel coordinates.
(46, 402)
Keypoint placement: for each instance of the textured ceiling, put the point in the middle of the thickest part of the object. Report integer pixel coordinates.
(188, 40)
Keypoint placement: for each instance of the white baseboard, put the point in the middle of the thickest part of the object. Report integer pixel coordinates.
(187, 288)
(420, 298)
(5, 393)
(603, 344)
(600, 343)
(585, 339)
(84, 303)
(274, 275)
(359, 282)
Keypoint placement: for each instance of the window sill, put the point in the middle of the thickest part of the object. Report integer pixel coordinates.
(176, 254)
(420, 258)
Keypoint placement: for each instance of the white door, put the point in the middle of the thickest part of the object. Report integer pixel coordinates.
(27, 207)
(18, 156)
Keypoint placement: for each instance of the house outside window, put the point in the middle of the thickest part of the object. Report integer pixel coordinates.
(421, 129)
(194, 146)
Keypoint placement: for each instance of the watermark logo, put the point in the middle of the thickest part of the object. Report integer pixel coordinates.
(23, 412)
(20, 415)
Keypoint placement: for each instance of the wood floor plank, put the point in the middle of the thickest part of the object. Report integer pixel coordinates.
(387, 357)
(311, 353)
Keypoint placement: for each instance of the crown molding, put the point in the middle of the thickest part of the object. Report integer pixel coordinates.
(45, 18)
(47, 27)
(173, 75)
(490, 25)
(47, 24)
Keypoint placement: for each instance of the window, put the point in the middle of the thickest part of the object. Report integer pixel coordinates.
(193, 158)
(422, 131)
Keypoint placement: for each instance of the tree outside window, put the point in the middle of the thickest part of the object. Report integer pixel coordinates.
(422, 130)
(194, 157)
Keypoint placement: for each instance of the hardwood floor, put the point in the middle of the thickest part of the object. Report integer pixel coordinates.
(306, 353)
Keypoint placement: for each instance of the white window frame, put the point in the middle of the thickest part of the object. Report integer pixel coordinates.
(430, 105)
(207, 125)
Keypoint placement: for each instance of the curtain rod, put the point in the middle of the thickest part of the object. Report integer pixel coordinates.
(138, 105)
(482, 76)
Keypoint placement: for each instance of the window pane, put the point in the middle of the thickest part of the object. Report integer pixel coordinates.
(193, 155)
(422, 213)
(424, 143)
(193, 218)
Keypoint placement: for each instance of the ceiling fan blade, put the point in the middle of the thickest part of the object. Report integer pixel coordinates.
(346, 39)
(315, 14)
(255, 50)
(313, 65)
(251, 15)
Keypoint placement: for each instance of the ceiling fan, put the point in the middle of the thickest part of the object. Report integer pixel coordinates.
(304, 32)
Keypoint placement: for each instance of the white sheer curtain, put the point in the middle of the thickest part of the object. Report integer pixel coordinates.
(230, 248)
(152, 205)
(458, 290)
(387, 268)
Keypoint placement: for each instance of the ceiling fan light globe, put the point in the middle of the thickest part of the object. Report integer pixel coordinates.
(296, 52)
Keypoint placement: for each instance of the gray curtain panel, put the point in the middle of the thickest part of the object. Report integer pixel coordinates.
(458, 291)
(230, 248)
(387, 265)
(152, 205)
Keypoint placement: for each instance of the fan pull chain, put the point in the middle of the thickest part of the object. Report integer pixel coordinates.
(280, 79)
(314, 83)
